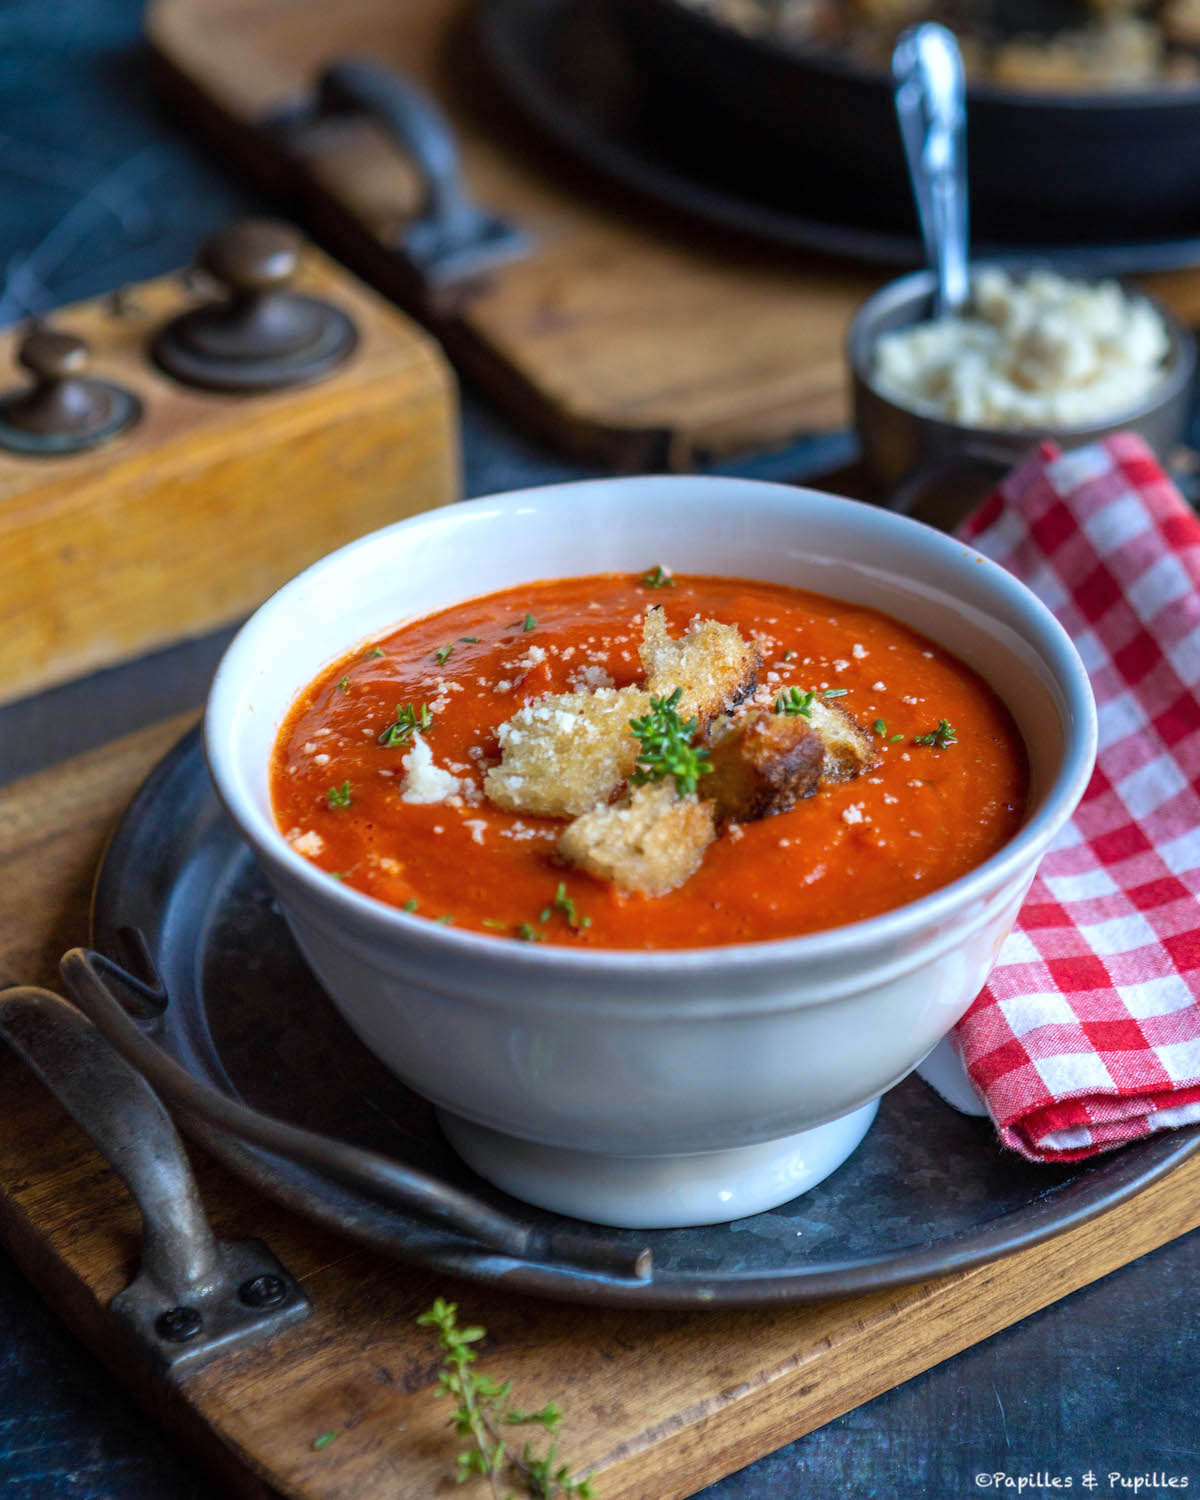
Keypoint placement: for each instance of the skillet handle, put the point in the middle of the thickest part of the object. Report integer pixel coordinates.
(191, 1299)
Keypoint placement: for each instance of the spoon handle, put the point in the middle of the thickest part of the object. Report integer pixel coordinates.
(930, 93)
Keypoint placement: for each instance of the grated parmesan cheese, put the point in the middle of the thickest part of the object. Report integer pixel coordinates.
(423, 781)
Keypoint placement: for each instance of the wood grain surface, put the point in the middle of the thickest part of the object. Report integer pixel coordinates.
(191, 518)
(657, 1404)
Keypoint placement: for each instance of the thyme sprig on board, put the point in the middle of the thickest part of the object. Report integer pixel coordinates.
(667, 748)
(484, 1410)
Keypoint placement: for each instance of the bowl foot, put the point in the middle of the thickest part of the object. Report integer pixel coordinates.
(659, 1192)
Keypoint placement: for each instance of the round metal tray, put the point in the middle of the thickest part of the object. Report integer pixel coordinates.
(569, 68)
(929, 1191)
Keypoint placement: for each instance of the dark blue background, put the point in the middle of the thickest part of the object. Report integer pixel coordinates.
(99, 189)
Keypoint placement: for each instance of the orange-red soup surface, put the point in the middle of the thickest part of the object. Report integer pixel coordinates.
(922, 817)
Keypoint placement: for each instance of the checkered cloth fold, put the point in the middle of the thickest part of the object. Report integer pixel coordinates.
(1088, 1033)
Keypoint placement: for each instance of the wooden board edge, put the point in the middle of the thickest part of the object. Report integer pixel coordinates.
(928, 1323)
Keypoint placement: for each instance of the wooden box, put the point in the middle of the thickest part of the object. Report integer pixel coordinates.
(190, 518)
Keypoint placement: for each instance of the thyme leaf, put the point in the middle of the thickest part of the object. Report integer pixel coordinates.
(938, 738)
(565, 904)
(657, 578)
(667, 748)
(408, 721)
(793, 702)
(339, 796)
(483, 1409)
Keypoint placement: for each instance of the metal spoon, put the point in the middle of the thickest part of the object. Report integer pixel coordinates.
(930, 93)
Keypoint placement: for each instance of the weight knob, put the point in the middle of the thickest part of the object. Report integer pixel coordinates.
(261, 335)
(65, 410)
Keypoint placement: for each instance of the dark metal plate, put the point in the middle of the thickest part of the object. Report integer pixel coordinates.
(569, 68)
(928, 1192)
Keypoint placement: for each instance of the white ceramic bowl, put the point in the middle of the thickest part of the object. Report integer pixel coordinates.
(675, 1087)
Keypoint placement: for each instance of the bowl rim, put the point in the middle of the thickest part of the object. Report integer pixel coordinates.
(434, 940)
(1178, 371)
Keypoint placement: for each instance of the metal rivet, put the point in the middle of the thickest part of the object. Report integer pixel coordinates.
(178, 1324)
(263, 1291)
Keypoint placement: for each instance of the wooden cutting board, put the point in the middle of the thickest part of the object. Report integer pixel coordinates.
(626, 335)
(631, 334)
(658, 1404)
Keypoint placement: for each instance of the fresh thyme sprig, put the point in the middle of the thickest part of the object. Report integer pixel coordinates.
(339, 796)
(444, 654)
(565, 904)
(657, 578)
(667, 748)
(939, 738)
(408, 721)
(484, 1410)
(795, 702)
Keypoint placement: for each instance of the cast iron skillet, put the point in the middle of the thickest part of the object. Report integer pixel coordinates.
(1045, 168)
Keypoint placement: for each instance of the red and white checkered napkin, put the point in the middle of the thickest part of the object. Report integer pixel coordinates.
(1088, 1033)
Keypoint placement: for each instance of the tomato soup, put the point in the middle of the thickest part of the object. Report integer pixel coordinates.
(946, 790)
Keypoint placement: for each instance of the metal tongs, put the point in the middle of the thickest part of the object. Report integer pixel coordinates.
(931, 94)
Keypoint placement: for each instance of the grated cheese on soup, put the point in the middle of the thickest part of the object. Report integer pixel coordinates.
(1045, 351)
(425, 782)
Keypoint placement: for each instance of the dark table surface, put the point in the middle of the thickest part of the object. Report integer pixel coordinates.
(98, 189)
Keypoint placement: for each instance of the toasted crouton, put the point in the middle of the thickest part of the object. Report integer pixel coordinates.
(849, 750)
(711, 662)
(564, 753)
(763, 765)
(651, 842)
